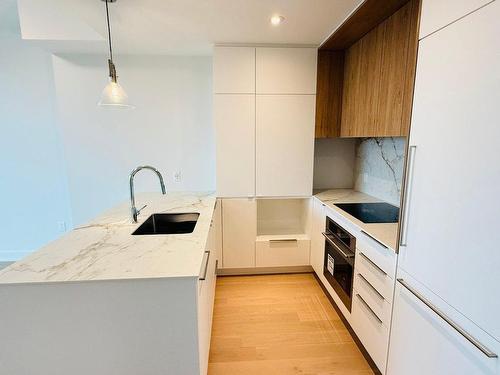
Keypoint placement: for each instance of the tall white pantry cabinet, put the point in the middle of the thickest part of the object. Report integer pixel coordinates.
(264, 114)
(447, 301)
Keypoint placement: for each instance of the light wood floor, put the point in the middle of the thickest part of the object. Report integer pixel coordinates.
(279, 325)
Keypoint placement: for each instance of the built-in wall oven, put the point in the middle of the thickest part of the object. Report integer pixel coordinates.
(340, 250)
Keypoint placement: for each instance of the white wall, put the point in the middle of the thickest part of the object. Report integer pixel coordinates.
(334, 163)
(171, 127)
(33, 187)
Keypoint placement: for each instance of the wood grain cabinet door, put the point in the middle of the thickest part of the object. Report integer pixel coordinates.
(379, 72)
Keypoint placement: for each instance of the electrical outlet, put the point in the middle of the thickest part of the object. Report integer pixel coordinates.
(62, 226)
(177, 176)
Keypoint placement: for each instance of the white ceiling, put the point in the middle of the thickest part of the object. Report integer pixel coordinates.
(191, 27)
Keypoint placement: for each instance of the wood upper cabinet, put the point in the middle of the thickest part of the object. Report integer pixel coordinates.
(329, 93)
(366, 89)
(379, 76)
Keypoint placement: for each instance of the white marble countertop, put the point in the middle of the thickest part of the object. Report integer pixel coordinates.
(104, 249)
(386, 233)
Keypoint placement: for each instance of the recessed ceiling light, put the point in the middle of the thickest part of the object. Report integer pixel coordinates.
(277, 20)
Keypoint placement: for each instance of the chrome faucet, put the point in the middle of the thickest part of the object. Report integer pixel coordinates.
(135, 211)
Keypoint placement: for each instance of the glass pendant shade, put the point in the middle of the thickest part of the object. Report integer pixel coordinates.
(114, 96)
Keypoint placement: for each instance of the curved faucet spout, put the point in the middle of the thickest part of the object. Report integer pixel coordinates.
(135, 212)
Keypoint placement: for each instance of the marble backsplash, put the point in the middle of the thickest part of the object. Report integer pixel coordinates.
(379, 167)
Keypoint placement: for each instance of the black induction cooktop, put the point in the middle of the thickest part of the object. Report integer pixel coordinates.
(371, 213)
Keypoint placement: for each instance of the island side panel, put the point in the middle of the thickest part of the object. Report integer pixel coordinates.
(122, 327)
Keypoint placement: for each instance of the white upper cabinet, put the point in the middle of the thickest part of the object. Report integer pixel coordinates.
(286, 70)
(285, 145)
(283, 120)
(452, 224)
(439, 13)
(234, 118)
(234, 70)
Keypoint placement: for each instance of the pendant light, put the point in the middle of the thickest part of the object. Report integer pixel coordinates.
(113, 95)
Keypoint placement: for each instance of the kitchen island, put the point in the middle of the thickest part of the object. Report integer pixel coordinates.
(102, 301)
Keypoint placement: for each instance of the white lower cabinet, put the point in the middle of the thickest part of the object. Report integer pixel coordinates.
(370, 329)
(423, 343)
(239, 223)
(380, 306)
(370, 271)
(217, 224)
(372, 298)
(317, 239)
(206, 297)
(282, 252)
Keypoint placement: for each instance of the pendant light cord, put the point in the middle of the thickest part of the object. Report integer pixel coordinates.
(109, 32)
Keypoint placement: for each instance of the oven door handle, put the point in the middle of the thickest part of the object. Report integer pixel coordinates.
(347, 256)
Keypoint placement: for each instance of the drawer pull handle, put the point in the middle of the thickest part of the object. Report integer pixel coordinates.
(369, 308)
(487, 352)
(206, 266)
(374, 239)
(284, 240)
(371, 286)
(373, 264)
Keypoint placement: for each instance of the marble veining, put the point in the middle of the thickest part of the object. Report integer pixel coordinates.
(379, 167)
(104, 249)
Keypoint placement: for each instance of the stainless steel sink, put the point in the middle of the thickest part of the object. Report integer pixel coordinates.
(168, 224)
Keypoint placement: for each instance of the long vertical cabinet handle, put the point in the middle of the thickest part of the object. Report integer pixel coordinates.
(406, 198)
(204, 277)
(485, 350)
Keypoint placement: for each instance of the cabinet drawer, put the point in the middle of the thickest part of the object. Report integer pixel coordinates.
(374, 276)
(377, 302)
(373, 334)
(282, 252)
(382, 257)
